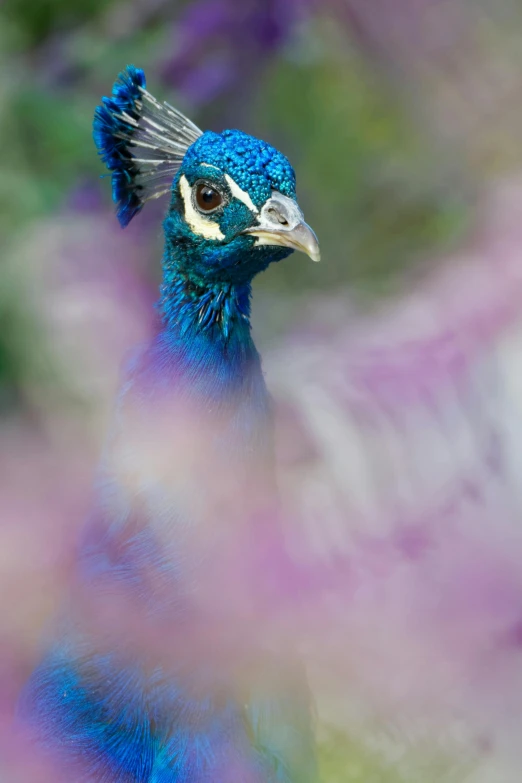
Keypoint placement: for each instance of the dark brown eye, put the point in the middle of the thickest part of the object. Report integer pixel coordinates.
(207, 198)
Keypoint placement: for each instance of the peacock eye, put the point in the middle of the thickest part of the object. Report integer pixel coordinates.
(208, 198)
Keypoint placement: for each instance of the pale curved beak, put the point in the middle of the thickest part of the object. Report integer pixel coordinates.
(281, 223)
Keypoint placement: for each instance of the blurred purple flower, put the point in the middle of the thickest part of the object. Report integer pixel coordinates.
(406, 377)
(401, 470)
(223, 44)
(86, 285)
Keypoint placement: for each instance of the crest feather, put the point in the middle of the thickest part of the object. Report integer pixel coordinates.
(141, 141)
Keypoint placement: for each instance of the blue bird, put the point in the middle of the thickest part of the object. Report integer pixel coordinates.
(154, 671)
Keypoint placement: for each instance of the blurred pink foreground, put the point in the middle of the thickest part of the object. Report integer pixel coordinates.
(399, 458)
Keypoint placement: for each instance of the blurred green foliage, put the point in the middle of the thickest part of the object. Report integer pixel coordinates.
(36, 20)
(343, 760)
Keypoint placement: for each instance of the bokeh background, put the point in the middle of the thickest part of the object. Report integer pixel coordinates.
(395, 364)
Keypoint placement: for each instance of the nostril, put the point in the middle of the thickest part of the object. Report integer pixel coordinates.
(276, 215)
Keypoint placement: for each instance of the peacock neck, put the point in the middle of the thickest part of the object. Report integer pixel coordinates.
(216, 311)
(207, 332)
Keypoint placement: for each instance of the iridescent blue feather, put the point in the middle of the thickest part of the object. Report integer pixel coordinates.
(110, 138)
(141, 141)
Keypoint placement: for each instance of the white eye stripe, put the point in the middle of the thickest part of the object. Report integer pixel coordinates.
(240, 194)
(202, 226)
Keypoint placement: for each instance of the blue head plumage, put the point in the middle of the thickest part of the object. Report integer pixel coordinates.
(254, 165)
(233, 207)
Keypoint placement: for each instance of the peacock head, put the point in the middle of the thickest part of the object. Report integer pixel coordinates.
(233, 207)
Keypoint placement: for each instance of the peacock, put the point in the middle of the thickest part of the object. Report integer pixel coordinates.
(160, 666)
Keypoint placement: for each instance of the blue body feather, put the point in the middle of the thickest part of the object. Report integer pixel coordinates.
(111, 714)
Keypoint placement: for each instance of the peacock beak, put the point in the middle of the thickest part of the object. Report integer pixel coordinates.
(281, 223)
